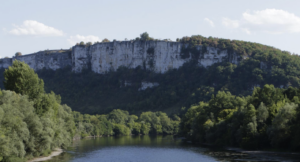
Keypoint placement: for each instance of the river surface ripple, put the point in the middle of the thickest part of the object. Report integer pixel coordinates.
(155, 149)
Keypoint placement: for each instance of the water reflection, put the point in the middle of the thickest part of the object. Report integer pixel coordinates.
(152, 149)
(143, 154)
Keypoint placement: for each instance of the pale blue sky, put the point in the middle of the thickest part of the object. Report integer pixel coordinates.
(29, 26)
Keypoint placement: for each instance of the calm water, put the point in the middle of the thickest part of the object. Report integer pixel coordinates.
(154, 149)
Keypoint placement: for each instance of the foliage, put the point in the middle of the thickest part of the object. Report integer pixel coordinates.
(24, 134)
(105, 40)
(145, 37)
(120, 122)
(92, 93)
(22, 79)
(89, 43)
(18, 54)
(259, 65)
(177, 88)
(235, 108)
(33, 123)
(266, 119)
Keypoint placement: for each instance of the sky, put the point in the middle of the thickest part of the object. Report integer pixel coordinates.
(29, 26)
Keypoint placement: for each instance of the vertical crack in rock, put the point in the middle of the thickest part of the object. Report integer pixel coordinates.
(159, 56)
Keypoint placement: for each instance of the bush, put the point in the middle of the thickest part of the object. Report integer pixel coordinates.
(145, 37)
(105, 40)
(18, 54)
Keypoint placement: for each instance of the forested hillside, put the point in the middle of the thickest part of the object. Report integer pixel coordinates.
(93, 93)
(33, 123)
(252, 105)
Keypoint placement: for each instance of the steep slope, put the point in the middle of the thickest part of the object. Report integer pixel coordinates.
(158, 56)
(140, 89)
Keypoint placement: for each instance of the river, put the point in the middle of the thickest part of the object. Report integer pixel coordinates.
(156, 149)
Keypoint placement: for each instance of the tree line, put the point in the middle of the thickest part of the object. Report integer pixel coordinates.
(33, 122)
(269, 118)
(241, 112)
(180, 87)
(120, 122)
(91, 93)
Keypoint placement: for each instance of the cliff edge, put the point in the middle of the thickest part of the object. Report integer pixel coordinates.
(159, 56)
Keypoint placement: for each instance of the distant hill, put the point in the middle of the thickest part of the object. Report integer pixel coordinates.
(138, 88)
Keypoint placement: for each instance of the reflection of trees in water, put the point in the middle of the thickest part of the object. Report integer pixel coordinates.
(63, 157)
(92, 144)
(262, 156)
(85, 147)
(144, 140)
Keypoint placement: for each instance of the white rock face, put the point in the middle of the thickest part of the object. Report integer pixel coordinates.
(159, 56)
(80, 58)
(28, 59)
(146, 85)
(214, 55)
(110, 56)
(47, 59)
(5, 62)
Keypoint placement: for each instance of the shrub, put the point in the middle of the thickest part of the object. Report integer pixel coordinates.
(105, 40)
(18, 54)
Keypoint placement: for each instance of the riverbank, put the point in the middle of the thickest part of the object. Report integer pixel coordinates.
(267, 155)
(56, 152)
(155, 148)
(261, 151)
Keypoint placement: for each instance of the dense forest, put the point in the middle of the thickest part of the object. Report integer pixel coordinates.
(269, 118)
(252, 105)
(92, 93)
(33, 122)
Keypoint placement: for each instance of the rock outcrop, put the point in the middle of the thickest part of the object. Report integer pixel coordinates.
(159, 56)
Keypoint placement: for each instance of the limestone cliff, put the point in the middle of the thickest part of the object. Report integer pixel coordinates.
(50, 59)
(159, 56)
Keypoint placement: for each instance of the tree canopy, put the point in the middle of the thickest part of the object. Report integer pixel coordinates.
(33, 123)
(145, 37)
(20, 78)
(266, 119)
(253, 104)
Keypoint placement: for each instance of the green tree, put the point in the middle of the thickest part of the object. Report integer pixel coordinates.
(136, 128)
(22, 79)
(105, 40)
(24, 134)
(145, 36)
(262, 113)
(18, 54)
(280, 132)
(89, 43)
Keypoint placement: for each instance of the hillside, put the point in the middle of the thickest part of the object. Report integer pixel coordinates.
(89, 92)
(34, 123)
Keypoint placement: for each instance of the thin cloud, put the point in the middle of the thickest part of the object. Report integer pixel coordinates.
(78, 38)
(210, 22)
(230, 23)
(32, 27)
(271, 21)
